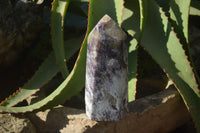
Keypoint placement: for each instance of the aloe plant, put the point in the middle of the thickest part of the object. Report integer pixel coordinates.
(160, 27)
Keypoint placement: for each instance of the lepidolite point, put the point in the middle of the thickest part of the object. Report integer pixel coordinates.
(106, 91)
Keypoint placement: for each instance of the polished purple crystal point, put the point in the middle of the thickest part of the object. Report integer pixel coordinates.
(106, 91)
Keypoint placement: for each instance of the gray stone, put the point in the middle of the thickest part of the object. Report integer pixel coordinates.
(106, 91)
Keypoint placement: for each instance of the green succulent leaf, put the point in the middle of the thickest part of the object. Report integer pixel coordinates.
(131, 18)
(195, 8)
(179, 13)
(143, 16)
(132, 69)
(57, 23)
(131, 23)
(162, 43)
(113, 8)
(82, 0)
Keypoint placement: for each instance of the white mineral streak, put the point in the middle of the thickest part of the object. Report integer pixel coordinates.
(106, 92)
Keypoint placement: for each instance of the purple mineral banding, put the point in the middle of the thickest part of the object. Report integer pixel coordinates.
(106, 91)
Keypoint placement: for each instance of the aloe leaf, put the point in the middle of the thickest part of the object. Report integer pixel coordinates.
(161, 42)
(179, 15)
(131, 18)
(76, 79)
(119, 6)
(195, 8)
(131, 23)
(101, 7)
(179, 12)
(45, 73)
(57, 23)
(143, 13)
(82, 0)
(132, 71)
(78, 8)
